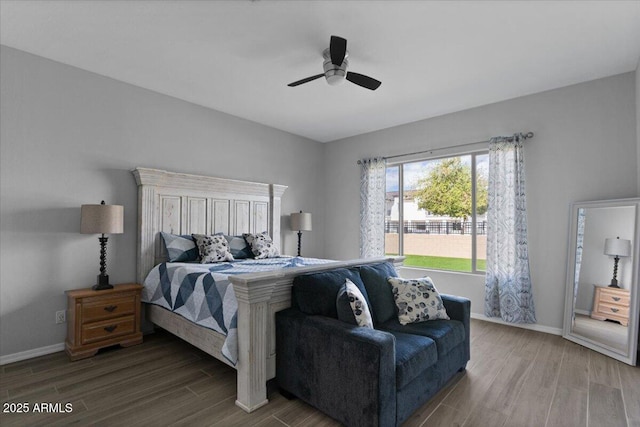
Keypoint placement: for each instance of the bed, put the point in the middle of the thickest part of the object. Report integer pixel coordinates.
(179, 203)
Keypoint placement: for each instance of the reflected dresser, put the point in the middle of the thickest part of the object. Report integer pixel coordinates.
(611, 304)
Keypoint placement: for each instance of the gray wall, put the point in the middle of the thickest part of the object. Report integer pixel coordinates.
(585, 148)
(70, 137)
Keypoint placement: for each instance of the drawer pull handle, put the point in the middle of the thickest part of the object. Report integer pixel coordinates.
(615, 298)
(110, 328)
(615, 310)
(110, 308)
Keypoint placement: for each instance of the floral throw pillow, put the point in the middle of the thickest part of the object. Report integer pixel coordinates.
(261, 245)
(417, 300)
(212, 248)
(359, 305)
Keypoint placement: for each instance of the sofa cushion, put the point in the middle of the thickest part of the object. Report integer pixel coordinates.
(316, 293)
(352, 307)
(380, 292)
(417, 300)
(446, 333)
(414, 354)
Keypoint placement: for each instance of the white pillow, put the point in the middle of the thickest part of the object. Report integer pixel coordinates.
(358, 305)
(212, 248)
(417, 300)
(261, 245)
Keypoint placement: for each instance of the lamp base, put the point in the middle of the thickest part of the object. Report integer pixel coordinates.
(103, 283)
(614, 281)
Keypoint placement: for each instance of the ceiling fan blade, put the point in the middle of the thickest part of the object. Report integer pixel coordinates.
(364, 81)
(337, 49)
(308, 79)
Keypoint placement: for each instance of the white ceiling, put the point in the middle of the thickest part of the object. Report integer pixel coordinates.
(433, 57)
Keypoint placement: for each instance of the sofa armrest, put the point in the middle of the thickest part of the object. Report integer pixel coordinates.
(344, 370)
(459, 308)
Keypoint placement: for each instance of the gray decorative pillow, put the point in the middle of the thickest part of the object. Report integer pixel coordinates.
(212, 248)
(239, 247)
(417, 300)
(359, 305)
(180, 248)
(261, 245)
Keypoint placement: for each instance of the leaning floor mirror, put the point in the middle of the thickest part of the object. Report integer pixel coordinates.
(602, 298)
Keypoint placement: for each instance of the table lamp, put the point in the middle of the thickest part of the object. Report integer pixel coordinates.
(300, 221)
(102, 219)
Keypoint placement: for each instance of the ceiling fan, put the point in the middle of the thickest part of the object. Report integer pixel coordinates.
(335, 67)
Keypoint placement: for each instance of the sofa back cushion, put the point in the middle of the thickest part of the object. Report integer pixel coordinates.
(316, 293)
(382, 303)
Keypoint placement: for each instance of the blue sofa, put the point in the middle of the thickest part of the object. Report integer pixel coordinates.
(361, 376)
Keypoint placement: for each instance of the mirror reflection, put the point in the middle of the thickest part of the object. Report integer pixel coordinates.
(602, 278)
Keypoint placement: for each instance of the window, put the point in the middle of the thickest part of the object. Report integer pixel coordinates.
(441, 221)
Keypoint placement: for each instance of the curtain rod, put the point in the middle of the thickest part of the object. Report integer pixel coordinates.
(504, 138)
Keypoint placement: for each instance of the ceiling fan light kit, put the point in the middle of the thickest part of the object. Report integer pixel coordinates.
(335, 74)
(335, 67)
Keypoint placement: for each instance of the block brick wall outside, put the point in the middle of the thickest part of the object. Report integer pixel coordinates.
(444, 245)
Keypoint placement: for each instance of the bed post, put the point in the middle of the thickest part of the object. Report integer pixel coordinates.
(253, 318)
(253, 315)
(146, 221)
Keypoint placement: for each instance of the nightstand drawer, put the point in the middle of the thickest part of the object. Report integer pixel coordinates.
(108, 329)
(613, 309)
(616, 298)
(107, 308)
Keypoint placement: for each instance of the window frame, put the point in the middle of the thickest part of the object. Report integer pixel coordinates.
(400, 165)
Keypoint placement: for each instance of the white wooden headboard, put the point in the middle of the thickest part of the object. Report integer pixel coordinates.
(181, 203)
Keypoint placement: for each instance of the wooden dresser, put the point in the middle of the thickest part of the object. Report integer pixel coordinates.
(98, 319)
(612, 304)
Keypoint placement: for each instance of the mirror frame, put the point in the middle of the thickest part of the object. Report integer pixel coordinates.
(630, 356)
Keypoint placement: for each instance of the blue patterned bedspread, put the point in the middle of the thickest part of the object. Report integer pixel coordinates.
(201, 292)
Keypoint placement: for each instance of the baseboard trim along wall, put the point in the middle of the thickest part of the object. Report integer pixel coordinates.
(30, 354)
(532, 326)
(42, 351)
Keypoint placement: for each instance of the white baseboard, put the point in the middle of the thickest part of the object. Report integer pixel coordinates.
(42, 351)
(583, 312)
(30, 354)
(532, 326)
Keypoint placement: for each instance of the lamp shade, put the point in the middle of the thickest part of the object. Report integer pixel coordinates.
(102, 219)
(301, 221)
(617, 247)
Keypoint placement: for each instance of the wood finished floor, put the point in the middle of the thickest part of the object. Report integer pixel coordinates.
(516, 377)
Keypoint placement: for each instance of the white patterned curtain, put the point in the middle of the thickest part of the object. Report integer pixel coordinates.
(508, 283)
(372, 189)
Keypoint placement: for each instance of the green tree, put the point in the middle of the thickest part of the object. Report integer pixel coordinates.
(446, 190)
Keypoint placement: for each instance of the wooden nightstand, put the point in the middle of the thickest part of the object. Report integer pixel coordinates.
(611, 303)
(98, 319)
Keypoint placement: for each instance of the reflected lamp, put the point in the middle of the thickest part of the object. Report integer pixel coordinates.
(616, 248)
